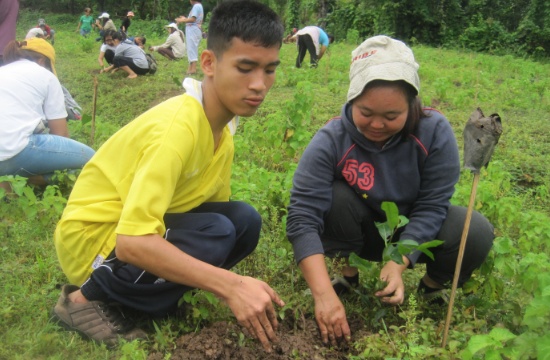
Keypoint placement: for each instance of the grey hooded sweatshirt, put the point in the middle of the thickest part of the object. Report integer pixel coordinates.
(417, 172)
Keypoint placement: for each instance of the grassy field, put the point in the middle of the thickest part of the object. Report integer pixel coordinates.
(508, 314)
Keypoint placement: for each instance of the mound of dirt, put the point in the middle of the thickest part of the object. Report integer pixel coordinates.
(298, 339)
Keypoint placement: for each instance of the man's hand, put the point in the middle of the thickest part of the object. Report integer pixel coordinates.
(394, 292)
(331, 319)
(252, 304)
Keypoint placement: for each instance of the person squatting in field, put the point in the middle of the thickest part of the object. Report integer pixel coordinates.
(149, 217)
(31, 102)
(383, 147)
(174, 46)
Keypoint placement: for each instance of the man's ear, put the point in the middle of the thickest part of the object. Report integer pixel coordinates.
(208, 62)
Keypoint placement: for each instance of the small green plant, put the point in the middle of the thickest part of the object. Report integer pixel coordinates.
(393, 250)
(200, 311)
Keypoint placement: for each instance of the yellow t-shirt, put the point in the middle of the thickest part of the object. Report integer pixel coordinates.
(162, 162)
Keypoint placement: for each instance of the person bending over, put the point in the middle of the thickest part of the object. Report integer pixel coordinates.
(128, 57)
(107, 49)
(31, 100)
(383, 147)
(314, 40)
(49, 33)
(150, 218)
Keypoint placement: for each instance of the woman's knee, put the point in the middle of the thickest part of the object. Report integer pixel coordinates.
(478, 244)
(480, 234)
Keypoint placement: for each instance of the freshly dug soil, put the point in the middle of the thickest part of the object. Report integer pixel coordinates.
(298, 339)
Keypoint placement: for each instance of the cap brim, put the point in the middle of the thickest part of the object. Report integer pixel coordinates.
(388, 72)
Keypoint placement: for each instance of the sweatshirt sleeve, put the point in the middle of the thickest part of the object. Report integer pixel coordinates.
(168, 43)
(439, 176)
(311, 196)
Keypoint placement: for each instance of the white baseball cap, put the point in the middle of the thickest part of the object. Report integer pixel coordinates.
(173, 26)
(104, 16)
(381, 58)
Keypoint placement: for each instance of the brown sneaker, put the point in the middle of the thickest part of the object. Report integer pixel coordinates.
(94, 319)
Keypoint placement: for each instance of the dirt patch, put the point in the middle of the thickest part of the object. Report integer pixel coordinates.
(298, 339)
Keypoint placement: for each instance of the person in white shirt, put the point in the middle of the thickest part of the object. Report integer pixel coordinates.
(35, 33)
(107, 49)
(31, 100)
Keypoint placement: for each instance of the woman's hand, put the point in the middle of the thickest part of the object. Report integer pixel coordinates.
(331, 319)
(329, 311)
(394, 292)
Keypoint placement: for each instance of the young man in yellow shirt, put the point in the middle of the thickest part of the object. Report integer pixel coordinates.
(149, 217)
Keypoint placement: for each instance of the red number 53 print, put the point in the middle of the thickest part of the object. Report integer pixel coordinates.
(360, 174)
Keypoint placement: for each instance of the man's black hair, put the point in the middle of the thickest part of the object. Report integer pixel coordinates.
(247, 20)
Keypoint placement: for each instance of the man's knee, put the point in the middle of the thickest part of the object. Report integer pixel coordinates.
(247, 215)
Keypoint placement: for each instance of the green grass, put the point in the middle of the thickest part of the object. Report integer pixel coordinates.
(513, 193)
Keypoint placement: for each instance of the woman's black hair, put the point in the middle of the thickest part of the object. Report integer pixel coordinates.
(108, 33)
(249, 21)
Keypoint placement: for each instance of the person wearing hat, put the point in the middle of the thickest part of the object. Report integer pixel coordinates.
(193, 33)
(31, 100)
(104, 23)
(384, 146)
(86, 22)
(126, 22)
(49, 33)
(174, 46)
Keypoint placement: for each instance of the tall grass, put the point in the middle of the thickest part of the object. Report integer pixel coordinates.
(513, 193)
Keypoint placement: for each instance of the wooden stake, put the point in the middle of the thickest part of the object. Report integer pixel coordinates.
(92, 131)
(460, 256)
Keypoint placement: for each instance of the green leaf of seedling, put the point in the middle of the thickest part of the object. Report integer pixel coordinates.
(358, 262)
(402, 221)
(384, 230)
(406, 246)
(391, 252)
(392, 214)
(429, 244)
(86, 118)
